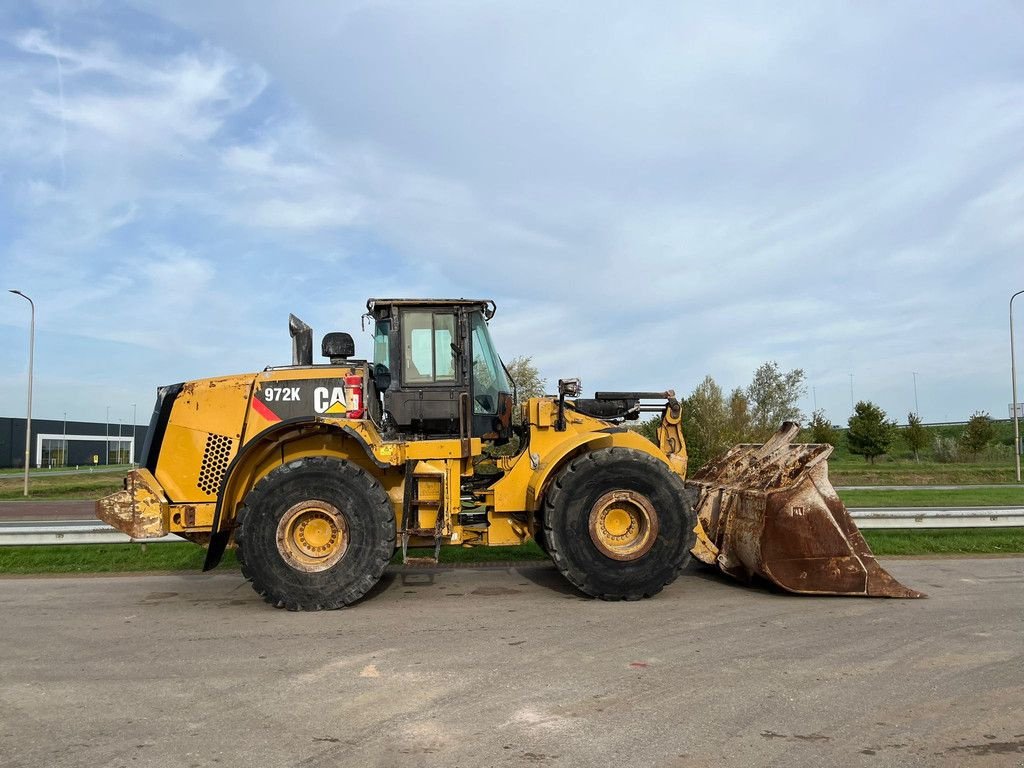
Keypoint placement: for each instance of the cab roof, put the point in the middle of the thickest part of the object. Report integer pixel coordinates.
(486, 305)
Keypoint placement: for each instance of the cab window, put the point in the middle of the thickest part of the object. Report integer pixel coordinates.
(381, 344)
(427, 339)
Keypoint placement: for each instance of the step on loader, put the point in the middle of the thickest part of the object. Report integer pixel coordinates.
(319, 473)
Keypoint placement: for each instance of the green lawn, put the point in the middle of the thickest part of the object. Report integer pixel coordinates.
(1011, 495)
(109, 558)
(859, 472)
(82, 486)
(87, 469)
(960, 541)
(106, 558)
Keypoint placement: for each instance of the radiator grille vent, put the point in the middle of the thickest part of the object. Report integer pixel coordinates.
(215, 463)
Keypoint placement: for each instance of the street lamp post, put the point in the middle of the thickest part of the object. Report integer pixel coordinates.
(28, 412)
(917, 410)
(135, 432)
(64, 448)
(1013, 380)
(106, 439)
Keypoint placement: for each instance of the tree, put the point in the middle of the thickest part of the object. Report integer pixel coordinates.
(979, 433)
(712, 423)
(737, 429)
(529, 382)
(773, 397)
(915, 435)
(821, 429)
(869, 434)
(705, 421)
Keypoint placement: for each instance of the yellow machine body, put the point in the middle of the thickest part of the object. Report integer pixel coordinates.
(216, 446)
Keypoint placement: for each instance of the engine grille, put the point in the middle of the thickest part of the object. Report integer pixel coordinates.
(215, 463)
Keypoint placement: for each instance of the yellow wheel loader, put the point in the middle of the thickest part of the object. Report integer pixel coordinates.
(319, 472)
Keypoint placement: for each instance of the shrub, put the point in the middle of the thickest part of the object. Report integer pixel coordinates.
(979, 433)
(946, 450)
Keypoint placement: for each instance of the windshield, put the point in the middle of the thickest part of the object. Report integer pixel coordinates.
(488, 374)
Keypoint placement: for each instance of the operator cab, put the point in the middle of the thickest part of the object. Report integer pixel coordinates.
(437, 370)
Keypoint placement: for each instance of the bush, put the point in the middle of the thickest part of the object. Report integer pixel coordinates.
(821, 429)
(979, 433)
(946, 450)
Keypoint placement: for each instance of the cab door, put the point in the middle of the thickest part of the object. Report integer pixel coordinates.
(426, 353)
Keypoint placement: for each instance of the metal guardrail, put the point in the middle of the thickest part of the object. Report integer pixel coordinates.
(23, 533)
(94, 532)
(933, 517)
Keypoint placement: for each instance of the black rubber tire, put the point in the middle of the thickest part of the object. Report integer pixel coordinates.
(567, 505)
(371, 521)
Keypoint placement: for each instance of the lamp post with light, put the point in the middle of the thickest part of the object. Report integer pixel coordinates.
(28, 412)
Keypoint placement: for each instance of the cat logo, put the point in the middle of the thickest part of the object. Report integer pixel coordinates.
(331, 402)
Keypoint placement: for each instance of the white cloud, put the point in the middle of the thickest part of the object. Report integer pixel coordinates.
(683, 191)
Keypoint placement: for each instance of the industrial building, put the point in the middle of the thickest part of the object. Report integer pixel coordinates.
(59, 443)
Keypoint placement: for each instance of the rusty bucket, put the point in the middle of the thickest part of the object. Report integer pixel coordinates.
(769, 510)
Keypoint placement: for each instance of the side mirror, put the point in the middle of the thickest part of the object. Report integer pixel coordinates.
(381, 377)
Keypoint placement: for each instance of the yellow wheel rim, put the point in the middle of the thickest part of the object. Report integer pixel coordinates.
(312, 536)
(623, 525)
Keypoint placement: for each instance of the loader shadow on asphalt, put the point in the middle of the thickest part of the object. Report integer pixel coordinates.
(548, 577)
(711, 575)
(543, 575)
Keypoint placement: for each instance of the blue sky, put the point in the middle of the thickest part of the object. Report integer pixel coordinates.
(651, 193)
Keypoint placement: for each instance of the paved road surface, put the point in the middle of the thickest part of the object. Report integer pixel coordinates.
(511, 667)
(58, 509)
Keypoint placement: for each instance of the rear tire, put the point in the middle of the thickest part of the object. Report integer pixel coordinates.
(315, 534)
(618, 524)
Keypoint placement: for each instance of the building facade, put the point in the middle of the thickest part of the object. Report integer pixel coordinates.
(58, 443)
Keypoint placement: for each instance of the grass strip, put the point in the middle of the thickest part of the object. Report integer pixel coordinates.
(106, 558)
(958, 541)
(929, 497)
(112, 558)
(85, 486)
(910, 473)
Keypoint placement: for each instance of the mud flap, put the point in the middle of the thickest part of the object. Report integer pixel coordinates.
(215, 549)
(770, 511)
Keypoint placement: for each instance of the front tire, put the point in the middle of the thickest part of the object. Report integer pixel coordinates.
(315, 534)
(618, 524)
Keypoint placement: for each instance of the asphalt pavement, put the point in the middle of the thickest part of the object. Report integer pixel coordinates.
(511, 666)
(48, 509)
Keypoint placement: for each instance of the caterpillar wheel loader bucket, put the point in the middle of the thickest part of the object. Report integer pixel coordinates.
(769, 510)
